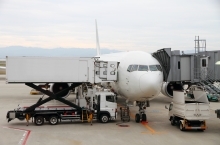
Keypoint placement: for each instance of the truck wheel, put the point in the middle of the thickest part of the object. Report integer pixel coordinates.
(144, 117)
(181, 127)
(39, 120)
(172, 121)
(137, 118)
(104, 118)
(53, 120)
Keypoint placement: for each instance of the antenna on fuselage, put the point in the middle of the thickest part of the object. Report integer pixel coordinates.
(97, 40)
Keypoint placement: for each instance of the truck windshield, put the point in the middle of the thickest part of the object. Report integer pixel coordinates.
(110, 98)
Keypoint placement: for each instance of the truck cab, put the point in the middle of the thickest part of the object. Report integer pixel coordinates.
(106, 106)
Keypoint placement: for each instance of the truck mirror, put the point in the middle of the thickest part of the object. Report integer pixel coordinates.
(166, 107)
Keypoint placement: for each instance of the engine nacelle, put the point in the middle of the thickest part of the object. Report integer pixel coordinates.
(57, 87)
(168, 87)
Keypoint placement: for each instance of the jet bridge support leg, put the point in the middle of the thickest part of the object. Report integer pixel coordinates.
(51, 97)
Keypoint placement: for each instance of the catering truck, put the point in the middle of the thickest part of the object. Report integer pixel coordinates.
(63, 74)
(189, 113)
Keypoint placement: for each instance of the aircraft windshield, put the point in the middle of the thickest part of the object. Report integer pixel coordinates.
(136, 67)
(143, 68)
(153, 67)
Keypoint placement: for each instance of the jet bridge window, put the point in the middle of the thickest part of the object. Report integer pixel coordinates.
(203, 62)
(153, 68)
(110, 98)
(143, 68)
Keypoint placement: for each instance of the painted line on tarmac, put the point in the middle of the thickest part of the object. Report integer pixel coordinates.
(25, 136)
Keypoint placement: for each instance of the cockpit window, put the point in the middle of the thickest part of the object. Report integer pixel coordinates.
(134, 68)
(129, 68)
(153, 67)
(143, 68)
(159, 67)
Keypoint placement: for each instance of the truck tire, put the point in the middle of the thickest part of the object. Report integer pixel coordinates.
(144, 117)
(137, 118)
(181, 126)
(172, 121)
(104, 118)
(39, 120)
(53, 120)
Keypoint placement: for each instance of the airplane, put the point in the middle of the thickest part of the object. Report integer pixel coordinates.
(140, 78)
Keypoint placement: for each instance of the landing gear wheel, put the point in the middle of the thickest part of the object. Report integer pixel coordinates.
(39, 120)
(137, 118)
(181, 127)
(172, 121)
(144, 117)
(53, 120)
(104, 118)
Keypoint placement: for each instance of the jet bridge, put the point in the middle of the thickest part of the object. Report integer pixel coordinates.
(198, 68)
(176, 67)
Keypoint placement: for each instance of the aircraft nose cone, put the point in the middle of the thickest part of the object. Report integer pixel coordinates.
(149, 84)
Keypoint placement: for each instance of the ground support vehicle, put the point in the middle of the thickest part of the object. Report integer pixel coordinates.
(189, 113)
(218, 113)
(103, 107)
(67, 73)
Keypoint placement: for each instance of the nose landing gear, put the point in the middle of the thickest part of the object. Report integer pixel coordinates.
(141, 116)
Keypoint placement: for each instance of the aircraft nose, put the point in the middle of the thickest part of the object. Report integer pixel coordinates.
(150, 84)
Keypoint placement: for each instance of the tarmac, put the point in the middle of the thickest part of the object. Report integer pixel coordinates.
(157, 129)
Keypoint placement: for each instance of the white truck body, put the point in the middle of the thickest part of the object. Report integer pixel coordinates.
(197, 109)
(59, 70)
(189, 113)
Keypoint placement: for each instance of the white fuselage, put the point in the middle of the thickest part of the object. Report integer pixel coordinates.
(135, 85)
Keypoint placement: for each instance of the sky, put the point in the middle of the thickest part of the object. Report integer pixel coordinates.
(124, 25)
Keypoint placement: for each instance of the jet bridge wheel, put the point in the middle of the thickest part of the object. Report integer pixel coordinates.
(39, 120)
(137, 118)
(53, 120)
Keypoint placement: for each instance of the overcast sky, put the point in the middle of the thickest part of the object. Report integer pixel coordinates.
(125, 25)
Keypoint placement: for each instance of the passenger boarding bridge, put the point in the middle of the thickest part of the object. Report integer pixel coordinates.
(198, 68)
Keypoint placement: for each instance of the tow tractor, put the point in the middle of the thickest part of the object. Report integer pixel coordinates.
(67, 74)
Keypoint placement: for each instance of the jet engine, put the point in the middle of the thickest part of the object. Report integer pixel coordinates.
(57, 87)
(168, 87)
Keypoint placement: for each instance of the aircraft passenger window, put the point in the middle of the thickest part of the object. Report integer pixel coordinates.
(110, 98)
(159, 67)
(143, 68)
(153, 67)
(134, 68)
(129, 68)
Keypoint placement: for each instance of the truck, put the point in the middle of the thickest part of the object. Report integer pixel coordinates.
(102, 103)
(65, 74)
(189, 112)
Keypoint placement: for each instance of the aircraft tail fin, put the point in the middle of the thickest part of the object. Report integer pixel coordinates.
(97, 40)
